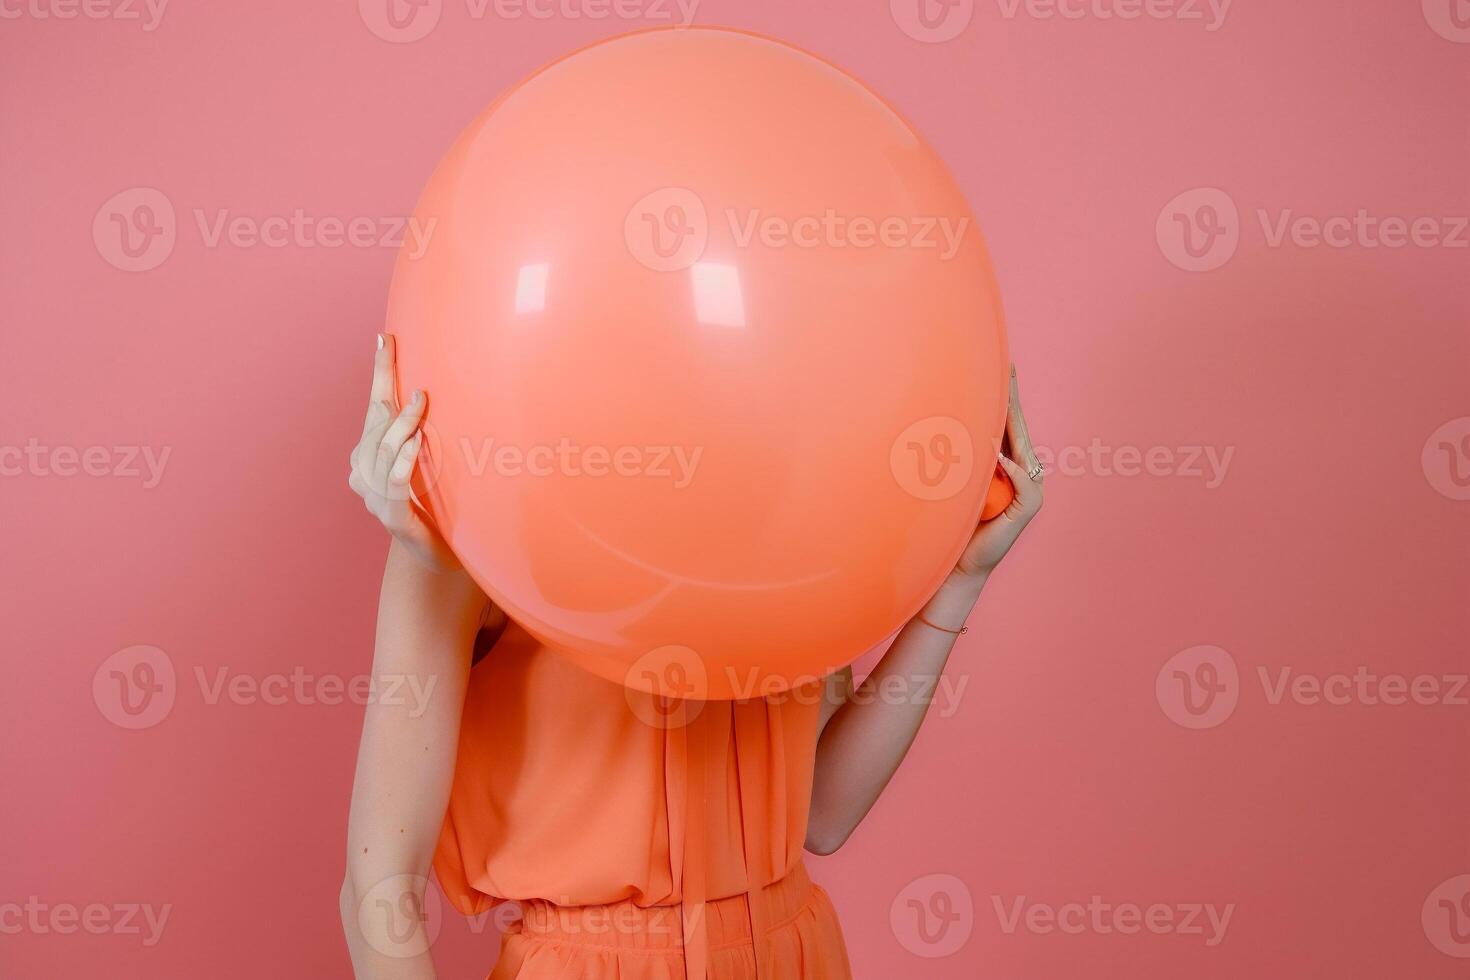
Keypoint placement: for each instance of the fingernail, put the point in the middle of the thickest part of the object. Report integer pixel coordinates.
(380, 341)
(418, 395)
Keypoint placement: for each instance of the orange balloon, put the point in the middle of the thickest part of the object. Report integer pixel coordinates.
(715, 361)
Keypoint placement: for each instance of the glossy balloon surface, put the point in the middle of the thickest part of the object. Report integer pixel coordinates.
(715, 361)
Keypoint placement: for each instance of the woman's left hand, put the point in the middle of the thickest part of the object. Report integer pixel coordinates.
(993, 539)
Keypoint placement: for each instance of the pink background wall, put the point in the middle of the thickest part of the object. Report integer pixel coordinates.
(1077, 763)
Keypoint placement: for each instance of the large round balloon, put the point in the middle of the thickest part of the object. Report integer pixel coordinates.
(715, 361)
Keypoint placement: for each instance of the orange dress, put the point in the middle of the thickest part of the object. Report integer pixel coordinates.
(644, 841)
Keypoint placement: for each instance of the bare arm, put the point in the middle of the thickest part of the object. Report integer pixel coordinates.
(429, 611)
(865, 733)
(427, 622)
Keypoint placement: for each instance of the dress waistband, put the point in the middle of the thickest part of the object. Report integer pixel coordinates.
(623, 925)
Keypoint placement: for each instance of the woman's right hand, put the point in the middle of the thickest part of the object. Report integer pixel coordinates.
(384, 460)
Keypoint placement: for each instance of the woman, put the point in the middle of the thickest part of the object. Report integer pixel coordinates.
(642, 844)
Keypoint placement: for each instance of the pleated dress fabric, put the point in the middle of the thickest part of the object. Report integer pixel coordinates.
(644, 839)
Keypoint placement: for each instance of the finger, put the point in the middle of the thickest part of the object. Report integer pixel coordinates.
(407, 457)
(397, 435)
(1028, 491)
(1017, 433)
(382, 391)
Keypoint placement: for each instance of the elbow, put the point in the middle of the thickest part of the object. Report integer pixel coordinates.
(825, 840)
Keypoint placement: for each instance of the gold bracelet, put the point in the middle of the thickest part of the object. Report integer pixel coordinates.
(959, 632)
